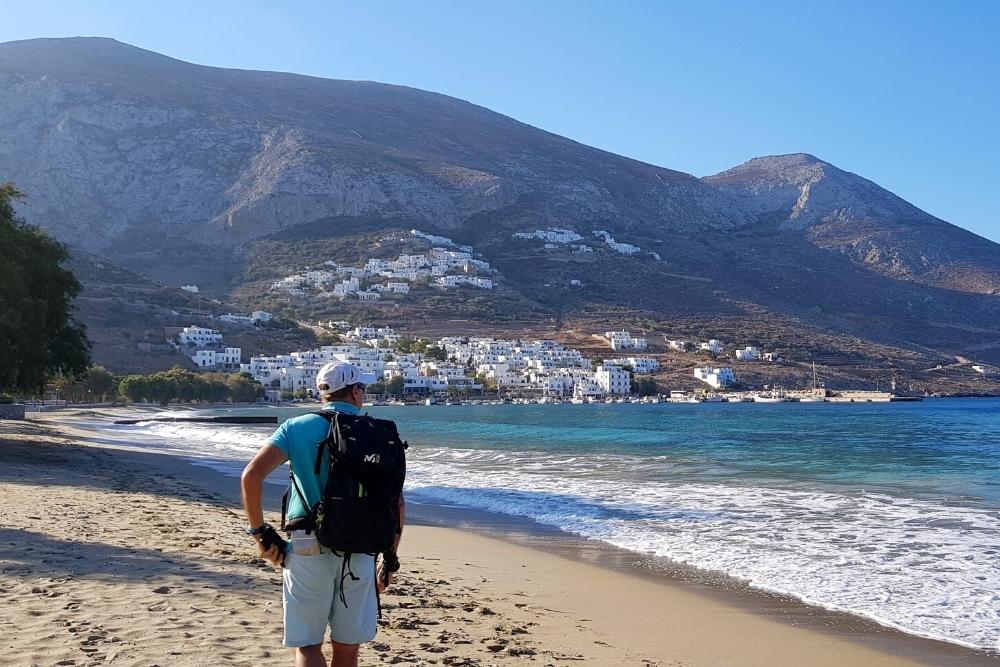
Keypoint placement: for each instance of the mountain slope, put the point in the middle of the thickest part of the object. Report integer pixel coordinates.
(844, 212)
(233, 179)
(105, 137)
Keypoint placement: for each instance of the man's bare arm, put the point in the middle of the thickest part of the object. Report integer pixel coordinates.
(266, 460)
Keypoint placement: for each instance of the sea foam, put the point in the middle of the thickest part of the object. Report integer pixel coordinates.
(930, 568)
(925, 568)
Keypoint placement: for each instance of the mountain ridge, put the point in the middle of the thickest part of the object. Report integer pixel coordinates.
(185, 173)
(290, 148)
(844, 212)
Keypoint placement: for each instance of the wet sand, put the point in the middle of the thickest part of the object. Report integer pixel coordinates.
(112, 556)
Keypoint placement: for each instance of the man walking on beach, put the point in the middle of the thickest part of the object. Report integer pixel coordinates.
(320, 587)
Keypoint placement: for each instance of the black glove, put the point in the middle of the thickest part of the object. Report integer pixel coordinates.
(269, 537)
(390, 564)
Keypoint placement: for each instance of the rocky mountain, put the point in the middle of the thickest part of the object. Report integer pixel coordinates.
(107, 138)
(231, 179)
(842, 211)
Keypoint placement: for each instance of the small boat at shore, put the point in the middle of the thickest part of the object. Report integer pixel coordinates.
(776, 395)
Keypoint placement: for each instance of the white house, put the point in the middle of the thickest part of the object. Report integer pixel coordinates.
(749, 353)
(586, 388)
(643, 365)
(369, 296)
(713, 345)
(623, 340)
(622, 248)
(439, 240)
(229, 358)
(614, 380)
(398, 288)
(716, 377)
(199, 336)
(345, 288)
(482, 283)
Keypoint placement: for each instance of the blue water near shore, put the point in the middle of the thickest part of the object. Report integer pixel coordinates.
(888, 511)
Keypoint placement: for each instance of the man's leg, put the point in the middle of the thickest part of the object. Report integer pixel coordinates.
(344, 655)
(353, 618)
(310, 656)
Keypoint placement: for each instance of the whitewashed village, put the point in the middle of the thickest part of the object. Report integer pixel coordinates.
(455, 369)
(445, 265)
(474, 369)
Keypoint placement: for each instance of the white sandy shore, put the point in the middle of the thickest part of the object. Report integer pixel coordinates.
(116, 557)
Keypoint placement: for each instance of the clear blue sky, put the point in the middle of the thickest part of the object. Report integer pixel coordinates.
(904, 93)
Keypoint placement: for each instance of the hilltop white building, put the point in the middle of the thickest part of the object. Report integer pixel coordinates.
(714, 346)
(749, 353)
(228, 358)
(621, 248)
(623, 340)
(642, 365)
(555, 235)
(194, 336)
(718, 378)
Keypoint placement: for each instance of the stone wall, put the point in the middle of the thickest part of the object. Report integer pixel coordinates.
(11, 411)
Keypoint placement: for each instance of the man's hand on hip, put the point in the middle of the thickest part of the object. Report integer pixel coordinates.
(273, 554)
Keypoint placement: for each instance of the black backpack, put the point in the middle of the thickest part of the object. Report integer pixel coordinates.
(359, 508)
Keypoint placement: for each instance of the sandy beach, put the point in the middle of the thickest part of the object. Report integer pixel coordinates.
(114, 556)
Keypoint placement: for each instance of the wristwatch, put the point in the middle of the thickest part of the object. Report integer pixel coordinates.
(256, 531)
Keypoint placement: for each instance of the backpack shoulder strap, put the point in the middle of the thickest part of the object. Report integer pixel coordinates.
(285, 498)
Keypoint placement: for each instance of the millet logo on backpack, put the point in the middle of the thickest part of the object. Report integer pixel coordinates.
(371, 458)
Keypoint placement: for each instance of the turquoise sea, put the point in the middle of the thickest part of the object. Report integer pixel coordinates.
(887, 511)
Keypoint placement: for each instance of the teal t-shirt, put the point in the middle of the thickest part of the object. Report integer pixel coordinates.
(298, 438)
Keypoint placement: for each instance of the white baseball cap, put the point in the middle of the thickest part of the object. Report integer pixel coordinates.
(339, 374)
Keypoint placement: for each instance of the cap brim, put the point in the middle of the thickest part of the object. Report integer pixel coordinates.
(368, 378)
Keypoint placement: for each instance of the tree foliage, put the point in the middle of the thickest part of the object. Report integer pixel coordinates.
(38, 337)
(407, 345)
(95, 385)
(645, 387)
(395, 386)
(183, 386)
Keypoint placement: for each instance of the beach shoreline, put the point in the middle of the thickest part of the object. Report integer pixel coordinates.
(558, 592)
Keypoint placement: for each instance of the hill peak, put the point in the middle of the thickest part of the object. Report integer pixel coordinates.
(795, 168)
(52, 55)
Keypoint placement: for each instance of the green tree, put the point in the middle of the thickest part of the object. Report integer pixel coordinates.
(243, 388)
(645, 387)
(395, 386)
(133, 388)
(435, 352)
(99, 383)
(38, 337)
(161, 388)
(405, 344)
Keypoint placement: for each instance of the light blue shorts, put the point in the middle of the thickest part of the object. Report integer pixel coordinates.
(311, 597)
